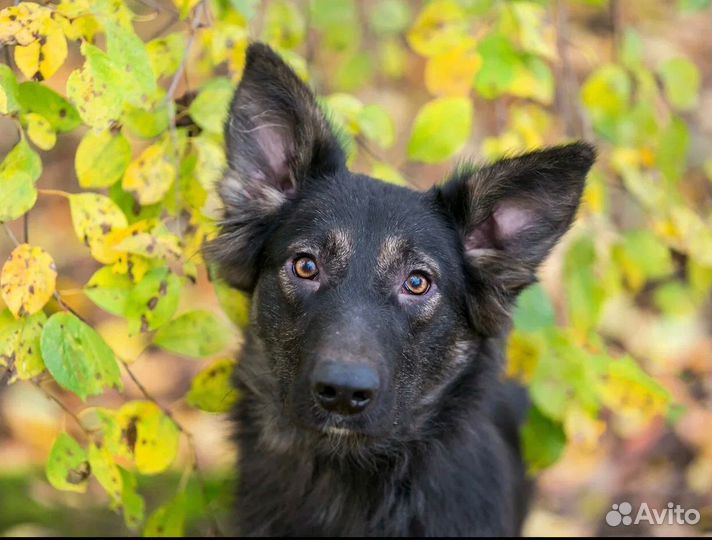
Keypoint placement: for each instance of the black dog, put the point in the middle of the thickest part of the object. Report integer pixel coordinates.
(372, 403)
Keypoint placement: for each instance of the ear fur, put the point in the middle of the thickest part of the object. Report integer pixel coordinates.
(277, 141)
(509, 215)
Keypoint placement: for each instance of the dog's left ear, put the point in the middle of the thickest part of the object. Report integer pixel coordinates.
(278, 140)
(509, 215)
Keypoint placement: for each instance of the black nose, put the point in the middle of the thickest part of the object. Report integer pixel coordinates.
(344, 388)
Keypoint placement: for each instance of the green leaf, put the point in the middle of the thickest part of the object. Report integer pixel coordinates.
(166, 53)
(132, 503)
(96, 89)
(105, 470)
(148, 435)
(585, 291)
(101, 158)
(40, 99)
(212, 390)
(109, 290)
(68, 465)
(234, 303)
(681, 80)
(168, 520)
(499, 65)
(534, 310)
(147, 124)
(19, 195)
(21, 158)
(543, 441)
(390, 16)
(376, 125)
(209, 109)
(20, 344)
(77, 357)
(196, 333)
(153, 301)
(9, 89)
(642, 257)
(129, 55)
(441, 129)
(672, 150)
(18, 172)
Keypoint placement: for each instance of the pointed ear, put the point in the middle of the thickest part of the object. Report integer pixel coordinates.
(509, 215)
(277, 140)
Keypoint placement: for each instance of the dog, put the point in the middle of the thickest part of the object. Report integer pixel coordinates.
(372, 401)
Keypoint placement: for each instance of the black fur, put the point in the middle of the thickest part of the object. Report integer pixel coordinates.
(437, 451)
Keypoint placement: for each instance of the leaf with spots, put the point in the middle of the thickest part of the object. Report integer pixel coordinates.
(128, 54)
(39, 99)
(27, 280)
(20, 345)
(101, 158)
(197, 333)
(94, 216)
(153, 300)
(155, 242)
(168, 521)
(68, 465)
(22, 24)
(166, 53)
(96, 89)
(107, 473)
(40, 131)
(109, 290)
(132, 503)
(41, 58)
(148, 435)
(212, 390)
(77, 357)
(150, 176)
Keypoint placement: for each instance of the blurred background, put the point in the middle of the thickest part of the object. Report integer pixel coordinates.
(417, 87)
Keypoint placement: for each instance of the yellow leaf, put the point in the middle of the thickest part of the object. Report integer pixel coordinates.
(450, 73)
(20, 345)
(94, 217)
(148, 435)
(40, 131)
(42, 58)
(523, 353)
(441, 25)
(582, 428)
(22, 23)
(150, 176)
(27, 280)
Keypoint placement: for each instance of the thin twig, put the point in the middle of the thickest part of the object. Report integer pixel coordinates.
(66, 409)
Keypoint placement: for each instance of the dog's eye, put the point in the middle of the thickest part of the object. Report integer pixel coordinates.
(416, 284)
(305, 267)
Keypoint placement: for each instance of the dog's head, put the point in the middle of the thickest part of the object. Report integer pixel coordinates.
(370, 299)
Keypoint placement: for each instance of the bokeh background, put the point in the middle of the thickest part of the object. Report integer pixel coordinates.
(416, 87)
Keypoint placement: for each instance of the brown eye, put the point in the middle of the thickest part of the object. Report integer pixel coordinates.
(305, 267)
(416, 284)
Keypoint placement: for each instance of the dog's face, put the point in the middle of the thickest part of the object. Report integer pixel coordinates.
(369, 299)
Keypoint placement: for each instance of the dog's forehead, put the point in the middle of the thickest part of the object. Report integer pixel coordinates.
(357, 213)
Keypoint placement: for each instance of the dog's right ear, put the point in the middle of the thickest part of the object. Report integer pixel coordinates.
(277, 140)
